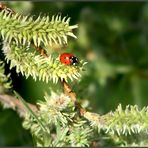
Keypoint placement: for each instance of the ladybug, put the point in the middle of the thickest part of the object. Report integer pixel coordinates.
(68, 59)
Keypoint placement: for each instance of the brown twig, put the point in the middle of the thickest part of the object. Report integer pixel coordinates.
(83, 112)
(88, 115)
(41, 51)
(9, 101)
(68, 91)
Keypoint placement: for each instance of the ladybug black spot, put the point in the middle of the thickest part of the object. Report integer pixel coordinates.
(74, 60)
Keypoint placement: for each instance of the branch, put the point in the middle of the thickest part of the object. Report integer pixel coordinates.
(123, 122)
(37, 66)
(83, 112)
(43, 31)
(68, 91)
(39, 49)
(130, 120)
(9, 101)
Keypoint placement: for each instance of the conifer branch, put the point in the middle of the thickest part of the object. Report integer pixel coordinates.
(43, 31)
(121, 121)
(65, 126)
(9, 101)
(31, 64)
(59, 110)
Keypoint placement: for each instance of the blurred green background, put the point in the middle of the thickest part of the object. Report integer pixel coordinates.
(112, 38)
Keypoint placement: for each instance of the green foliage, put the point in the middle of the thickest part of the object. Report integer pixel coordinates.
(18, 31)
(116, 49)
(63, 125)
(31, 64)
(5, 82)
(42, 31)
(122, 122)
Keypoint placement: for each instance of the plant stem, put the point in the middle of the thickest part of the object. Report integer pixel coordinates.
(9, 101)
(68, 91)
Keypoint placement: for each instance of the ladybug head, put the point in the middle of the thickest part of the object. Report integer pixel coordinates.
(74, 60)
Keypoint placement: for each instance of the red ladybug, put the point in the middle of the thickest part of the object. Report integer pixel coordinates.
(68, 59)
